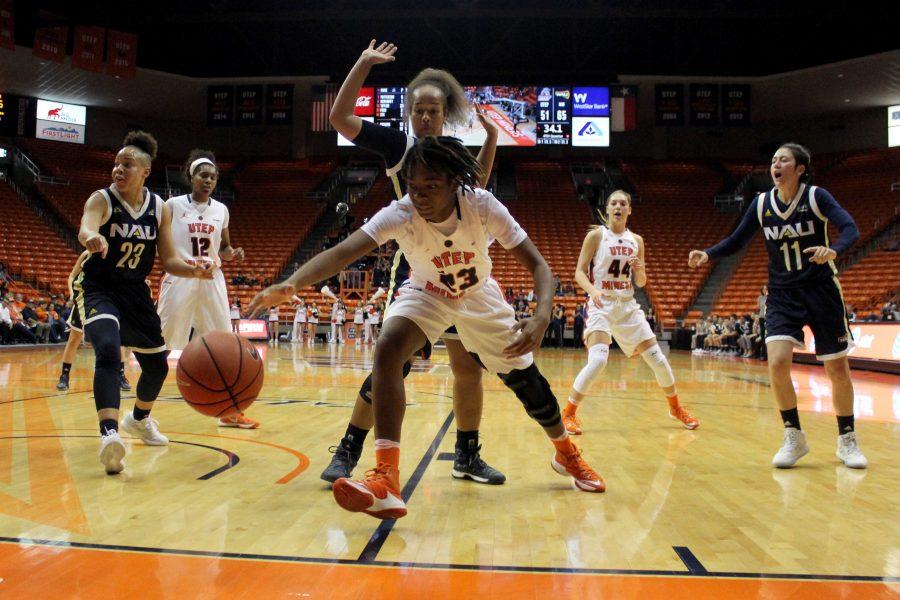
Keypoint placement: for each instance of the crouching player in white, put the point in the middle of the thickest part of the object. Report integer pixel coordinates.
(617, 253)
(444, 228)
(200, 234)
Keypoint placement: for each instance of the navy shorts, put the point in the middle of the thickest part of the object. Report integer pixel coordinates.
(129, 304)
(820, 306)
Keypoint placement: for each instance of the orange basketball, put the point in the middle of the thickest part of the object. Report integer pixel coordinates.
(219, 374)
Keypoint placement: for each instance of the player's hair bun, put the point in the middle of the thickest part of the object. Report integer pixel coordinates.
(143, 141)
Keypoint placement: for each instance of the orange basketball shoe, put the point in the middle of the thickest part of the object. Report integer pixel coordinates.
(238, 420)
(680, 413)
(574, 466)
(571, 423)
(377, 495)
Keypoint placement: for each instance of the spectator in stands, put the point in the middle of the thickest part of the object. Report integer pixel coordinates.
(889, 312)
(19, 330)
(578, 324)
(651, 318)
(39, 328)
(5, 324)
(239, 279)
(568, 289)
(701, 329)
(57, 324)
(558, 325)
(892, 245)
(19, 302)
(851, 313)
(530, 296)
(508, 295)
(557, 285)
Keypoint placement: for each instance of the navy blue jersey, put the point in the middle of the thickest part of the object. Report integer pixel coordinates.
(391, 145)
(789, 229)
(131, 236)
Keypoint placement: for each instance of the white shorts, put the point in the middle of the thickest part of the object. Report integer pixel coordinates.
(186, 303)
(482, 318)
(624, 320)
(235, 315)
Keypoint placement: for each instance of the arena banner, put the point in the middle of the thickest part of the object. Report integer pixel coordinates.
(736, 105)
(121, 54)
(878, 341)
(7, 24)
(50, 43)
(219, 105)
(280, 104)
(703, 104)
(669, 104)
(88, 51)
(253, 329)
(365, 102)
(248, 109)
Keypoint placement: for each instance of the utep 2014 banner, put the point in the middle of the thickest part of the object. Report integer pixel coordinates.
(121, 54)
(7, 24)
(670, 104)
(88, 51)
(50, 43)
(704, 104)
(248, 104)
(219, 105)
(879, 341)
(736, 105)
(280, 104)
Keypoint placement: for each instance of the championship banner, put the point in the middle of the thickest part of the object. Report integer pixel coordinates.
(248, 104)
(121, 54)
(7, 24)
(704, 104)
(736, 105)
(50, 43)
(280, 104)
(88, 51)
(219, 105)
(669, 104)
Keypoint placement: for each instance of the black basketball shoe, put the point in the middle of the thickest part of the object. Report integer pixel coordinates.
(469, 465)
(63, 384)
(342, 463)
(123, 382)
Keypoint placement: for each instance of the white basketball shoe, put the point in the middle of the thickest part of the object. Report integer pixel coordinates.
(792, 449)
(147, 429)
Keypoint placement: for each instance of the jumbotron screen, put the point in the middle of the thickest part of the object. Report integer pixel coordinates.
(525, 116)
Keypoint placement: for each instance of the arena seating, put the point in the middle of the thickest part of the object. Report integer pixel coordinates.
(675, 214)
(867, 284)
(31, 249)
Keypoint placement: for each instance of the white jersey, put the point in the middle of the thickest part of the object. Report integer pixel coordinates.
(314, 315)
(197, 228)
(612, 273)
(235, 312)
(359, 315)
(448, 259)
(300, 313)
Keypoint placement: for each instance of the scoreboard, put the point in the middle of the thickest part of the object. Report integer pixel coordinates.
(389, 108)
(554, 126)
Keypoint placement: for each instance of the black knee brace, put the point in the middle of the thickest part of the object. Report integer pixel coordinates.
(535, 394)
(365, 390)
(154, 369)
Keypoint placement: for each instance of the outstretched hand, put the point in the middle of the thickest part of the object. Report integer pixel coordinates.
(697, 258)
(271, 296)
(820, 254)
(485, 121)
(382, 54)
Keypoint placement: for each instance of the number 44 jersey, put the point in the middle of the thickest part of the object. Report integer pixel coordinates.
(450, 258)
(197, 228)
(612, 269)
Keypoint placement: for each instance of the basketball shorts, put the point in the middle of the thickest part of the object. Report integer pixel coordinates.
(74, 320)
(128, 304)
(623, 320)
(821, 307)
(483, 320)
(186, 303)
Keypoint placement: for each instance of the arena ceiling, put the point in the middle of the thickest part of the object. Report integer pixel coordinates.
(516, 41)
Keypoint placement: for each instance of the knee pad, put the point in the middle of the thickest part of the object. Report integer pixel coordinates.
(154, 368)
(365, 390)
(598, 355)
(104, 337)
(535, 394)
(656, 360)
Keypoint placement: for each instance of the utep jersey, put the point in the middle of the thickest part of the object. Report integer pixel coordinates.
(131, 236)
(788, 231)
(612, 272)
(197, 229)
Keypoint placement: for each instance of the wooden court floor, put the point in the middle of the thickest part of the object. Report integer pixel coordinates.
(223, 513)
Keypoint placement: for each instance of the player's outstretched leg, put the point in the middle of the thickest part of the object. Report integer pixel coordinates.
(138, 423)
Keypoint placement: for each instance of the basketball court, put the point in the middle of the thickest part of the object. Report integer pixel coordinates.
(234, 513)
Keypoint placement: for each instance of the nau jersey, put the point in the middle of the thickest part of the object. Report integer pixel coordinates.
(612, 271)
(197, 228)
(131, 235)
(789, 230)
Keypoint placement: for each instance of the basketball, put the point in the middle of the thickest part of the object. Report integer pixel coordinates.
(219, 374)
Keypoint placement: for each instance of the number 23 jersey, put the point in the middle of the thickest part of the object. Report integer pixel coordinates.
(197, 228)
(449, 259)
